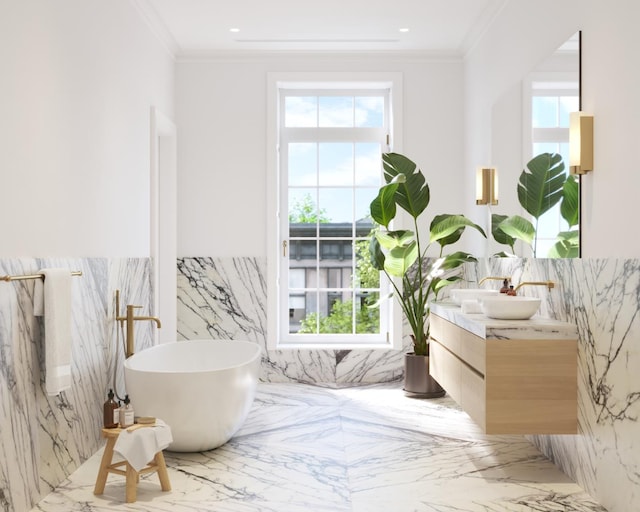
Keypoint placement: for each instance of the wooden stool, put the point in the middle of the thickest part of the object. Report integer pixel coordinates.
(133, 476)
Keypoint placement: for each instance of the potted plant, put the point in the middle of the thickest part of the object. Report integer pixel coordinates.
(402, 255)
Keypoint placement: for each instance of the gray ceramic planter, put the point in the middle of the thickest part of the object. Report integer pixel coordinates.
(417, 381)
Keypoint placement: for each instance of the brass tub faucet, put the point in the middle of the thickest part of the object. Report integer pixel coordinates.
(130, 320)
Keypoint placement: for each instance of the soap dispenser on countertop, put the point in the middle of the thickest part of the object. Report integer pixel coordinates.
(511, 291)
(126, 413)
(505, 286)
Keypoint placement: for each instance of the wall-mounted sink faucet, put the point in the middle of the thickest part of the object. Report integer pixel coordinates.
(548, 284)
(493, 278)
(130, 319)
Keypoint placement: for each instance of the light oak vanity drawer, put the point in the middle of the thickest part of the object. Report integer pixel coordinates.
(445, 368)
(467, 346)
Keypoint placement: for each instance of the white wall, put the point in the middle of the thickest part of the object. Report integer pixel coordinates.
(79, 78)
(524, 34)
(221, 117)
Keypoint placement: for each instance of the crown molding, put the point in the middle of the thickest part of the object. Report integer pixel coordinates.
(482, 25)
(157, 26)
(262, 55)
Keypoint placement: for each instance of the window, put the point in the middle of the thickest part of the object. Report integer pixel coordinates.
(330, 137)
(553, 96)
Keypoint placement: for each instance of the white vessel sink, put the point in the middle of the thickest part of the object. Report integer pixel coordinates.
(460, 294)
(507, 307)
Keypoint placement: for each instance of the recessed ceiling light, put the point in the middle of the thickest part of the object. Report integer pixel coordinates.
(404, 30)
(234, 30)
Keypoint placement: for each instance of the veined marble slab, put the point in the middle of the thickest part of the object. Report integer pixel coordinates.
(43, 438)
(535, 328)
(367, 448)
(225, 298)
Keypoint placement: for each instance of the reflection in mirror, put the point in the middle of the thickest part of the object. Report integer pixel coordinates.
(551, 93)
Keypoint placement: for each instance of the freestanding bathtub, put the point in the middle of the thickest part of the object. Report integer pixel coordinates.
(203, 389)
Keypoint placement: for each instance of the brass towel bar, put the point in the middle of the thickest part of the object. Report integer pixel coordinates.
(33, 276)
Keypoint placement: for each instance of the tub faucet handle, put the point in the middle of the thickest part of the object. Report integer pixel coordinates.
(130, 309)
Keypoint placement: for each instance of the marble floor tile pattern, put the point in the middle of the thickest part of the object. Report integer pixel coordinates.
(369, 448)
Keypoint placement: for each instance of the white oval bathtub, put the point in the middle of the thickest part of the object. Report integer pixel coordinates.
(203, 389)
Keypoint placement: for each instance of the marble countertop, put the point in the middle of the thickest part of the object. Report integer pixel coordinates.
(536, 327)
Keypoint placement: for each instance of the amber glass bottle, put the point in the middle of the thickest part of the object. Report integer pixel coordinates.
(110, 412)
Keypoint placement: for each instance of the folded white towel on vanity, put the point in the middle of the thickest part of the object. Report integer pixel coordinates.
(140, 446)
(470, 306)
(52, 299)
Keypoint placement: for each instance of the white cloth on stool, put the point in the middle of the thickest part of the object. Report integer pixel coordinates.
(140, 446)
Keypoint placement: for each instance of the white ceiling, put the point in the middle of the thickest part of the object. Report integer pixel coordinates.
(447, 27)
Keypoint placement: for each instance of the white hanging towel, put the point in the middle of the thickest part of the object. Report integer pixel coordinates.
(52, 299)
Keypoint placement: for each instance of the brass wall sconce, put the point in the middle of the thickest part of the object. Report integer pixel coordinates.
(580, 143)
(486, 186)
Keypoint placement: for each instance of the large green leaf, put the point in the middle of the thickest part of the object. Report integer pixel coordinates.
(456, 259)
(518, 227)
(412, 195)
(438, 283)
(541, 184)
(500, 236)
(445, 228)
(383, 207)
(570, 206)
(392, 239)
(400, 258)
(567, 245)
(375, 253)
(449, 239)
(394, 164)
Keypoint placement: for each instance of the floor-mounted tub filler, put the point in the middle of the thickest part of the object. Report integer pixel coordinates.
(203, 389)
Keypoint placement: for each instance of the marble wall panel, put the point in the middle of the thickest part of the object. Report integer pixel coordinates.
(226, 298)
(42, 438)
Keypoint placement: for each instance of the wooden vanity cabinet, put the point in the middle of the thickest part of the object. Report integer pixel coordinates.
(507, 386)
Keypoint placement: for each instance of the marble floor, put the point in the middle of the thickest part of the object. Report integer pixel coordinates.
(359, 449)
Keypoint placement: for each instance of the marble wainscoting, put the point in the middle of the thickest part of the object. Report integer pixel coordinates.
(43, 438)
(601, 297)
(226, 298)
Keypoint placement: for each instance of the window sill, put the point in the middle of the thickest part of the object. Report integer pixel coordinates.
(284, 346)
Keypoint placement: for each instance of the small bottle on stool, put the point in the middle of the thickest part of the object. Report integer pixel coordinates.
(126, 413)
(111, 416)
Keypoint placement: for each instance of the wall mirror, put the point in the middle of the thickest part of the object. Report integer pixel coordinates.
(550, 93)
(532, 118)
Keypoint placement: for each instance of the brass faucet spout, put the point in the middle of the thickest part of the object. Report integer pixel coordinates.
(152, 318)
(548, 284)
(493, 278)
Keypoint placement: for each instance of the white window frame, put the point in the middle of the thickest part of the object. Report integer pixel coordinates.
(389, 339)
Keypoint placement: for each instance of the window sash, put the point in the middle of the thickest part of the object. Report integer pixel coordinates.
(321, 292)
